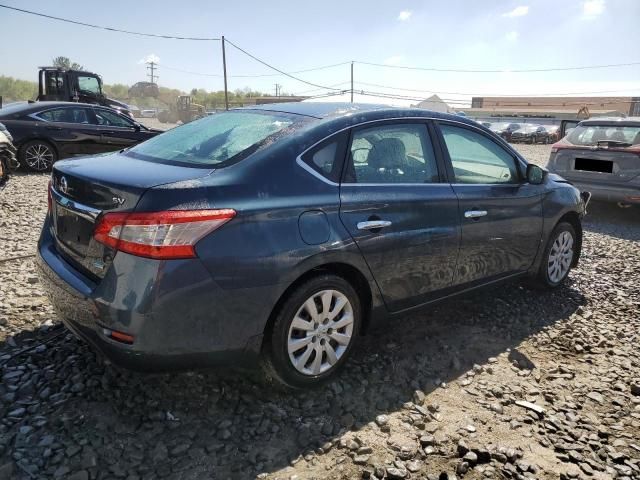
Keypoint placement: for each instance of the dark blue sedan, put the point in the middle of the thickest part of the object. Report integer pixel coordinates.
(284, 232)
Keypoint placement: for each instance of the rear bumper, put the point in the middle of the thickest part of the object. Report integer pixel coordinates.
(610, 193)
(179, 318)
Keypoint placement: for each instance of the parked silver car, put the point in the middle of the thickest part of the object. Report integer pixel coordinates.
(602, 155)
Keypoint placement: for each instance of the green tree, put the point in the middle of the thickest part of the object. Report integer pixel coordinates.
(13, 90)
(64, 62)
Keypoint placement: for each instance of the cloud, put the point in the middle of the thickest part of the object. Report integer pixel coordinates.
(512, 36)
(405, 15)
(520, 11)
(592, 8)
(152, 57)
(394, 60)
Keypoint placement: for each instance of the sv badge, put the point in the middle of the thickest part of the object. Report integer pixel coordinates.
(118, 201)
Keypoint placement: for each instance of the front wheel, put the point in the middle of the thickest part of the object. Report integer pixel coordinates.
(313, 332)
(559, 255)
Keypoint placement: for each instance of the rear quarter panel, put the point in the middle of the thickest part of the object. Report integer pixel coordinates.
(260, 253)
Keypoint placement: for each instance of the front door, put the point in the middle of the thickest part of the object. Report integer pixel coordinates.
(400, 212)
(500, 213)
(117, 131)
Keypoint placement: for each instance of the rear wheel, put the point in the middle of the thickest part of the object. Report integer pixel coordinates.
(38, 155)
(313, 332)
(558, 257)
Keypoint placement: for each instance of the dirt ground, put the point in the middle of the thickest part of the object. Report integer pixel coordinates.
(503, 383)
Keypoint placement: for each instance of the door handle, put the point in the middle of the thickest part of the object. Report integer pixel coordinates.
(475, 213)
(373, 224)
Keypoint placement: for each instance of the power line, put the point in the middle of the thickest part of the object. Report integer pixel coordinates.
(202, 74)
(461, 102)
(316, 89)
(503, 70)
(111, 29)
(487, 94)
(274, 68)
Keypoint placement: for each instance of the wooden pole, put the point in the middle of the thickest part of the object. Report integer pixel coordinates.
(224, 68)
(351, 82)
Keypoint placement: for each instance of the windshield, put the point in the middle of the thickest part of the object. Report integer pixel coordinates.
(592, 134)
(89, 85)
(216, 139)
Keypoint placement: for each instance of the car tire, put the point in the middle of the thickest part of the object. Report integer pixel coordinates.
(38, 155)
(558, 257)
(313, 332)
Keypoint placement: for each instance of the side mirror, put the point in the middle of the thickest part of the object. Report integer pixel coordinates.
(535, 174)
(137, 127)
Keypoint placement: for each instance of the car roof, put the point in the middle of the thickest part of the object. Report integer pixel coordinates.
(613, 121)
(336, 110)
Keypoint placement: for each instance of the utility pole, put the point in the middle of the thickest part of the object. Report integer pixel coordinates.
(224, 69)
(352, 82)
(278, 89)
(151, 66)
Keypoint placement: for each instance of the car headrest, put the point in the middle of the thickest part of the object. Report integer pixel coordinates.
(388, 153)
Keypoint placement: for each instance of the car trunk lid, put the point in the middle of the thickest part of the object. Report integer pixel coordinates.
(83, 189)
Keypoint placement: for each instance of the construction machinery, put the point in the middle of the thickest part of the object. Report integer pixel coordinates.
(182, 109)
(61, 84)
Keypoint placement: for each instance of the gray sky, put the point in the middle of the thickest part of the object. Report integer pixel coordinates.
(297, 35)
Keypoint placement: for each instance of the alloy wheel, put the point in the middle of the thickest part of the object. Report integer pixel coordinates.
(39, 157)
(320, 332)
(560, 257)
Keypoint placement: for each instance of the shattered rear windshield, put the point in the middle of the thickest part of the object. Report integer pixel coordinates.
(216, 140)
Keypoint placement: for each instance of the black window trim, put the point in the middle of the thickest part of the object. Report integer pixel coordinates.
(520, 164)
(305, 159)
(436, 138)
(425, 121)
(36, 115)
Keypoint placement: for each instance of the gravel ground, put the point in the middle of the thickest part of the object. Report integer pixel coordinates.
(506, 383)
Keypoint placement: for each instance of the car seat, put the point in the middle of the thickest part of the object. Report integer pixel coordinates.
(386, 161)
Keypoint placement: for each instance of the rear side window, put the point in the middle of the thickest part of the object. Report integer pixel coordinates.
(476, 158)
(65, 115)
(326, 158)
(393, 153)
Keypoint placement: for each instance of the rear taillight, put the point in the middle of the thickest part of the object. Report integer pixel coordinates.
(162, 235)
(49, 197)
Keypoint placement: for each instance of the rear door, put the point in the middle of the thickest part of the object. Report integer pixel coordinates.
(400, 211)
(500, 213)
(71, 129)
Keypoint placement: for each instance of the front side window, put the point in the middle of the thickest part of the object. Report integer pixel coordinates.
(89, 85)
(107, 118)
(216, 139)
(65, 115)
(398, 153)
(478, 159)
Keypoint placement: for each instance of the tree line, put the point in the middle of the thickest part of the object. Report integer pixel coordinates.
(16, 90)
